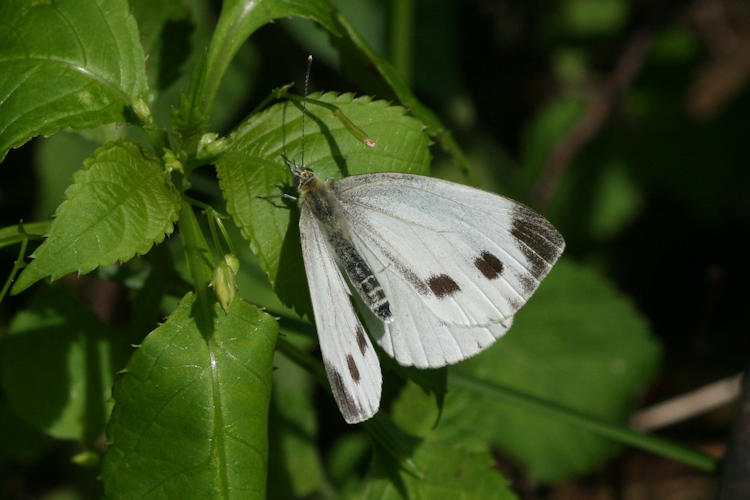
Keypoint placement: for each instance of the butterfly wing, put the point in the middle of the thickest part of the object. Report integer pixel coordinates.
(348, 355)
(473, 258)
(416, 336)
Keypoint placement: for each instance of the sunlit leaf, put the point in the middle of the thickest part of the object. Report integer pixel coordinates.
(68, 63)
(191, 409)
(121, 203)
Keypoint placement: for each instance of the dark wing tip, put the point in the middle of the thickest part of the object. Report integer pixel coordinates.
(539, 241)
(350, 409)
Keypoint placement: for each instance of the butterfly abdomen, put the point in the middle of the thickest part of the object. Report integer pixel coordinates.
(361, 276)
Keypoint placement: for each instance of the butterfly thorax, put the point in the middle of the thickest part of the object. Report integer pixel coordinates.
(317, 195)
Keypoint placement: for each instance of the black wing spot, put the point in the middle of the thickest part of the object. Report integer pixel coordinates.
(489, 265)
(361, 340)
(443, 285)
(346, 402)
(353, 370)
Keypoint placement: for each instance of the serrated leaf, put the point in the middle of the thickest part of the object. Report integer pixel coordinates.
(56, 160)
(253, 167)
(68, 63)
(577, 343)
(191, 414)
(121, 203)
(58, 364)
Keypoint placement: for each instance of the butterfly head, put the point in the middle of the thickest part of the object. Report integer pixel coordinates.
(301, 174)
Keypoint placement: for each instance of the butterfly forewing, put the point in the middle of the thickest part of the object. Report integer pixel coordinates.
(348, 355)
(472, 257)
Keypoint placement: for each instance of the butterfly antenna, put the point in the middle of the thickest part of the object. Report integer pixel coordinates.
(304, 107)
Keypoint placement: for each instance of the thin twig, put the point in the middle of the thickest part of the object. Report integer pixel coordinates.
(602, 101)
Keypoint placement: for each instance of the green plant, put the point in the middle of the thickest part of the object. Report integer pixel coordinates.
(194, 402)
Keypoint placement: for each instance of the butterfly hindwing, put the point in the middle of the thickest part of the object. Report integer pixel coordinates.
(348, 355)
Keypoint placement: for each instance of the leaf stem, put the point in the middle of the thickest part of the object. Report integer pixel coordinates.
(402, 36)
(18, 264)
(200, 265)
(650, 443)
(276, 94)
(227, 239)
(10, 235)
(218, 248)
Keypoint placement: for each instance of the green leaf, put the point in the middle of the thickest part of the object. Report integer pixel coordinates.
(590, 17)
(577, 343)
(68, 63)
(170, 32)
(58, 364)
(676, 44)
(616, 200)
(238, 20)
(165, 29)
(295, 469)
(191, 413)
(451, 470)
(55, 162)
(122, 202)
(253, 167)
(369, 16)
(347, 456)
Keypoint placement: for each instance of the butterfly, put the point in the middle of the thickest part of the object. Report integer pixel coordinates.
(436, 269)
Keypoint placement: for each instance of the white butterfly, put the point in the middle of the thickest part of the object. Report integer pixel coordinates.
(441, 268)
